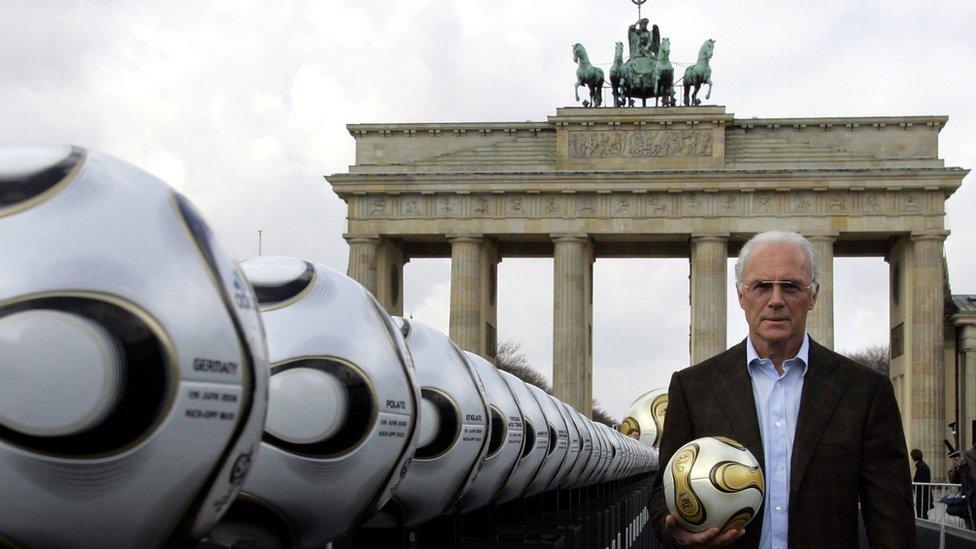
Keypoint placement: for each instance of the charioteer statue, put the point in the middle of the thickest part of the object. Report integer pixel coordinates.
(647, 73)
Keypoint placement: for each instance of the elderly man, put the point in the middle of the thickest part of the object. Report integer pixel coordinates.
(826, 430)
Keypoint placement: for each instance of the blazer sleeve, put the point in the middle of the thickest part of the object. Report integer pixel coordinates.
(885, 489)
(678, 430)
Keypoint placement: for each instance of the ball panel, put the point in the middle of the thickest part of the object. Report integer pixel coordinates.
(30, 175)
(73, 364)
(731, 477)
(688, 506)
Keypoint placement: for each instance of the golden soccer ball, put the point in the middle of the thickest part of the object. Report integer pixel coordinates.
(645, 418)
(713, 482)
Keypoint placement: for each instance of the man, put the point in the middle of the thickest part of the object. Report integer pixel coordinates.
(963, 472)
(826, 430)
(923, 494)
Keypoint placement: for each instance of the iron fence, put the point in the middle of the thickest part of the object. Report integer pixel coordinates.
(930, 504)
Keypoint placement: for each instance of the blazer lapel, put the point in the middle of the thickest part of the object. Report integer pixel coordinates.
(734, 393)
(821, 392)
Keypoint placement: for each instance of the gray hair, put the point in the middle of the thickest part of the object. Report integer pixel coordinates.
(777, 237)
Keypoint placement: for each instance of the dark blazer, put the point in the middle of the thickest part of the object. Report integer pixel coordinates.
(849, 445)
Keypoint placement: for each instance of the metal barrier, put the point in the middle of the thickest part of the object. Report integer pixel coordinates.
(929, 504)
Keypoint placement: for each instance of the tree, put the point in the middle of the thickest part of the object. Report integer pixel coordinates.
(510, 358)
(876, 357)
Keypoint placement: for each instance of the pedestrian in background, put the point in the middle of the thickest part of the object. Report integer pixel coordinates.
(923, 494)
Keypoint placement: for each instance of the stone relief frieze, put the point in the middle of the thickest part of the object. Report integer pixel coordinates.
(729, 204)
(764, 203)
(586, 205)
(622, 206)
(551, 205)
(479, 205)
(837, 203)
(639, 144)
(516, 205)
(801, 203)
(650, 204)
(378, 206)
(874, 203)
(911, 203)
(447, 206)
(412, 206)
(658, 204)
(693, 204)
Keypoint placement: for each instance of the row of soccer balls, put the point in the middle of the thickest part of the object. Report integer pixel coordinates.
(153, 390)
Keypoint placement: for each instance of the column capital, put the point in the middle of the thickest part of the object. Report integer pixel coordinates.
(967, 335)
(827, 236)
(475, 238)
(361, 238)
(581, 238)
(710, 237)
(929, 235)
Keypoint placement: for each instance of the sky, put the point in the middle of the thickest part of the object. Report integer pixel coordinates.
(242, 106)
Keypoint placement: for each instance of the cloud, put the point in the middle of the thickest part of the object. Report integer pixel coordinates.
(243, 107)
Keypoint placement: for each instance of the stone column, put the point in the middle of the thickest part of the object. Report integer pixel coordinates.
(390, 260)
(967, 383)
(927, 377)
(362, 260)
(709, 257)
(488, 295)
(570, 323)
(466, 291)
(820, 320)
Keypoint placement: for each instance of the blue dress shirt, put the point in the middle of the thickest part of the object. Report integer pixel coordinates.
(777, 406)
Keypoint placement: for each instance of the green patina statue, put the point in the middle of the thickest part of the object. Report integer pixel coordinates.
(647, 72)
(662, 77)
(588, 75)
(617, 73)
(699, 73)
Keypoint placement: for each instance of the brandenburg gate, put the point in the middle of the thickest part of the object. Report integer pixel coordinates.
(691, 182)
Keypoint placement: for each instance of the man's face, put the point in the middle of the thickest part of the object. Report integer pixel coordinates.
(774, 314)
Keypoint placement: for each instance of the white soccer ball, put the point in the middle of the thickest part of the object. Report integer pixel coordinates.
(713, 482)
(453, 426)
(645, 418)
(133, 365)
(342, 406)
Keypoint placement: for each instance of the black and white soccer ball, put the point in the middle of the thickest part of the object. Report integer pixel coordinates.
(133, 365)
(453, 432)
(342, 408)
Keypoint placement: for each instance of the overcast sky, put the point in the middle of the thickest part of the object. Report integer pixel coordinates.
(242, 106)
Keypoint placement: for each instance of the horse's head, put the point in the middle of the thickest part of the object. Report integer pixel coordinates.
(618, 48)
(706, 50)
(578, 52)
(665, 47)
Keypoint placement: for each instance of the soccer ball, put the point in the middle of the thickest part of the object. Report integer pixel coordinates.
(341, 411)
(536, 439)
(713, 482)
(645, 418)
(453, 430)
(133, 370)
(505, 437)
(558, 442)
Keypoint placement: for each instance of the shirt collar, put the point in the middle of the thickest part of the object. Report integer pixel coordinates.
(803, 354)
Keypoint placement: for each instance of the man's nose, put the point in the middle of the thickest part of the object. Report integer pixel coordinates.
(776, 297)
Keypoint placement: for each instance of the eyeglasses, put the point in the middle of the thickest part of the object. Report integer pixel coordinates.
(788, 288)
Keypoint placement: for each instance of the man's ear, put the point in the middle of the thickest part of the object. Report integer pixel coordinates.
(816, 294)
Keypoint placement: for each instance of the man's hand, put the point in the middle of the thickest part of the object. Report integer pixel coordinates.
(708, 538)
